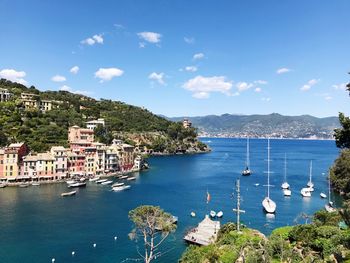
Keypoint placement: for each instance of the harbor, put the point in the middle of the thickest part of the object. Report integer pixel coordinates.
(178, 184)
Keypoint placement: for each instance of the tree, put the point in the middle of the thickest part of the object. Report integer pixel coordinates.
(152, 225)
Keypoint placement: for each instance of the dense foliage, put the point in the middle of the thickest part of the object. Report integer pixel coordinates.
(42, 130)
(320, 241)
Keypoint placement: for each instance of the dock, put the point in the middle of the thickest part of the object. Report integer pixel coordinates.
(205, 233)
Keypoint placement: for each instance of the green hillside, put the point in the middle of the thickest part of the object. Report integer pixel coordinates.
(42, 130)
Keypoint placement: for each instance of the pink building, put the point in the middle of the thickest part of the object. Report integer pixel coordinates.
(79, 137)
(76, 163)
(61, 161)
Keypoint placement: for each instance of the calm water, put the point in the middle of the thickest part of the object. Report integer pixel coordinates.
(38, 225)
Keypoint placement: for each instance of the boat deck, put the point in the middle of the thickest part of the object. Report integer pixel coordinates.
(205, 234)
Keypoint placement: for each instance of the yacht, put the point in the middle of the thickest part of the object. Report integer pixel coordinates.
(268, 204)
(247, 171)
(305, 192)
(310, 184)
(329, 206)
(285, 184)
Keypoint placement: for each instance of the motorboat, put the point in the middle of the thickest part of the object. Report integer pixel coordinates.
(287, 192)
(323, 195)
(121, 188)
(77, 184)
(69, 193)
(268, 204)
(94, 179)
(305, 192)
(193, 214)
(123, 177)
(219, 214)
(83, 179)
(101, 181)
(35, 184)
(117, 184)
(107, 182)
(3, 185)
(23, 185)
(257, 184)
(131, 178)
(212, 213)
(70, 181)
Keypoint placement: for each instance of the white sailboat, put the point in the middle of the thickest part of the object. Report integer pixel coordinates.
(329, 206)
(285, 184)
(268, 204)
(310, 184)
(247, 171)
(305, 192)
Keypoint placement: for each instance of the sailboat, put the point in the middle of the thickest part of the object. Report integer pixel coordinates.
(268, 204)
(310, 184)
(329, 206)
(285, 185)
(247, 171)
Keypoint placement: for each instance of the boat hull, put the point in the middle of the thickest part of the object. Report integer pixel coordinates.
(287, 192)
(269, 205)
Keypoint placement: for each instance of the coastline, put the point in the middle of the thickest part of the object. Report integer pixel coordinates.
(264, 138)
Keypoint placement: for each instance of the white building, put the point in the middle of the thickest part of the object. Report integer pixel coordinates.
(5, 95)
(94, 123)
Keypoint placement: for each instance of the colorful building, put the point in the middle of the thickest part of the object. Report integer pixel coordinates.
(13, 158)
(79, 137)
(61, 161)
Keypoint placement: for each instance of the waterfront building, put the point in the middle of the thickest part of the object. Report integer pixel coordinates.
(79, 137)
(138, 163)
(90, 163)
(125, 153)
(76, 163)
(28, 168)
(111, 160)
(12, 160)
(2, 176)
(100, 157)
(61, 161)
(94, 123)
(186, 123)
(5, 95)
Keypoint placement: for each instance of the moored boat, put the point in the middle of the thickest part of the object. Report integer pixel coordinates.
(268, 204)
(329, 207)
(77, 184)
(287, 192)
(220, 214)
(123, 177)
(3, 185)
(101, 181)
(247, 171)
(70, 181)
(305, 192)
(69, 193)
(107, 182)
(323, 195)
(310, 184)
(35, 184)
(23, 185)
(117, 184)
(193, 214)
(94, 179)
(212, 213)
(131, 178)
(121, 188)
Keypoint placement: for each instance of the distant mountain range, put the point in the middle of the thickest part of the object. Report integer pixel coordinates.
(271, 125)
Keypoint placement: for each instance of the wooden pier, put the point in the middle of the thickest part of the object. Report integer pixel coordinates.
(205, 234)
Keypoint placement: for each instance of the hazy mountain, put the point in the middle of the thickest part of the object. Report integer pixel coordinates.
(274, 125)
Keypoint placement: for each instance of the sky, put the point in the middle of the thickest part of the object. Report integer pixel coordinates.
(184, 58)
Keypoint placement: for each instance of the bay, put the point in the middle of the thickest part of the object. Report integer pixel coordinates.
(37, 224)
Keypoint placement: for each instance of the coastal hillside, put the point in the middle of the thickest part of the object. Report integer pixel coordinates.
(26, 116)
(272, 125)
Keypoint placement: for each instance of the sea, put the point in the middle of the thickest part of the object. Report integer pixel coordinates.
(37, 225)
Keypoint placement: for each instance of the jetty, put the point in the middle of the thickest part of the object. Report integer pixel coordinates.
(205, 233)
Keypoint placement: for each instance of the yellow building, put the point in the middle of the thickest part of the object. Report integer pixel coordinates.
(12, 159)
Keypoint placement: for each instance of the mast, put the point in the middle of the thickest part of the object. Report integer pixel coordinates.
(247, 162)
(285, 167)
(310, 171)
(329, 188)
(238, 208)
(268, 168)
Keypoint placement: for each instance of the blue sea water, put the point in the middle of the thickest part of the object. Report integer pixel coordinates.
(38, 225)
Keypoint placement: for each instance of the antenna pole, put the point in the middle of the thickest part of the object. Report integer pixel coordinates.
(238, 208)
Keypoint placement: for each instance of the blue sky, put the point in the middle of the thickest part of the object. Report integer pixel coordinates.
(184, 58)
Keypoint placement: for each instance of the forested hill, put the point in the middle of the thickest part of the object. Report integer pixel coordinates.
(44, 129)
(273, 125)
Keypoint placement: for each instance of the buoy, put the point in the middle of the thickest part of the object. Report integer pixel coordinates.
(53, 260)
(73, 253)
(94, 245)
(115, 238)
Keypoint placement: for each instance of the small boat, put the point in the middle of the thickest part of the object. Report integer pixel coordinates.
(212, 213)
(219, 214)
(94, 179)
(101, 181)
(310, 184)
(257, 184)
(329, 207)
(69, 193)
(3, 185)
(77, 184)
(121, 188)
(285, 184)
(268, 204)
(193, 214)
(23, 185)
(131, 178)
(311, 189)
(305, 192)
(70, 181)
(107, 182)
(323, 195)
(35, 184)
(287, 192)
(83, 179)
(117, 184)
(247, 171)
(123, 177)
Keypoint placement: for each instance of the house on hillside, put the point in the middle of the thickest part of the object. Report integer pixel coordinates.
(5, 95)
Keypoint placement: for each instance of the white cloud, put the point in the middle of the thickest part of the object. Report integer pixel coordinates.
(265, 99)
(191, 68)
(328, 97)
(257, 89)
(341, 86)
(203, 86)
(69, 89)
(159, 77)
(151, 37)
(242, 86)
(282, 70)
(58, 78)
(106, 74)
(74, 70)
(198, 56)
(142, 44)
(189, 40)
(309, 84)
(260, 82)
(95, 39)
(13, 75)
